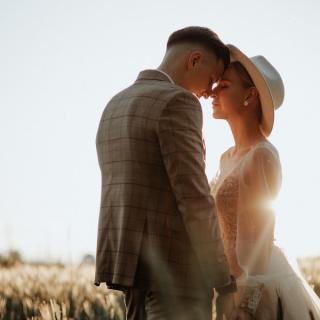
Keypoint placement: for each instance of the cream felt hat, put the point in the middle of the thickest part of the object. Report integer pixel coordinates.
(268, 82)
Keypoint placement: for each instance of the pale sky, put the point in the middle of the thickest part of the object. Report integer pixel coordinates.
(60, 63)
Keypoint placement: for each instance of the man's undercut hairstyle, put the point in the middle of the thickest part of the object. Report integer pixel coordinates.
(204, 37)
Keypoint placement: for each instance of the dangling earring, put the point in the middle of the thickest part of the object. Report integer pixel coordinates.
(246, 103)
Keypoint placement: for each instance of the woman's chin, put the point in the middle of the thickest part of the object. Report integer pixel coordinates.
(216, 115)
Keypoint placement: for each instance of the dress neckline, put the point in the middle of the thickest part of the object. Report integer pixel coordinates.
(248, 149)
(219, 181)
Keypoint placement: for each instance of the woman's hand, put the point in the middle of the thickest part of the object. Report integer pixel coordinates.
(239, 314)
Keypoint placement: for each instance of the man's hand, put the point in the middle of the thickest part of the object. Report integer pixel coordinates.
(239, 314)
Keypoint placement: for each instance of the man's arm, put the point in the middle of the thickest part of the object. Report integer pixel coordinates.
(180, 137)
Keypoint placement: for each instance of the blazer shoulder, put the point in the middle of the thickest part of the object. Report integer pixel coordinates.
(165, 90)
(177, 95)
(162, 94)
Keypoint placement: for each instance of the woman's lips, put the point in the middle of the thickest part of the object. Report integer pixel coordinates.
(215, 105)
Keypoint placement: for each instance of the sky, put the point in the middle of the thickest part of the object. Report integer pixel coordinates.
(60, 63)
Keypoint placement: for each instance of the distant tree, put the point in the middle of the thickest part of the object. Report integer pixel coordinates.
(15, 256)
(12, 258)
(88, 259)
(2, 260)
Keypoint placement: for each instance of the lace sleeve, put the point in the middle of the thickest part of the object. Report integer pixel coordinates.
(259, 185)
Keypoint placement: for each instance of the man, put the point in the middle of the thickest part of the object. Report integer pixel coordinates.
(158, 237)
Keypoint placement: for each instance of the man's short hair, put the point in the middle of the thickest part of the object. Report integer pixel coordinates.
(204, 37)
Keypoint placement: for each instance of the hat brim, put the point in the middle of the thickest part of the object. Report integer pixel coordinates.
(262, 87)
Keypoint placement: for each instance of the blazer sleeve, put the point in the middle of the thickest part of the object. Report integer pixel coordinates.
(181, 144)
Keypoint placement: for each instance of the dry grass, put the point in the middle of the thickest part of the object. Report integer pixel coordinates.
(55, 293)
(60, 293)
(310, 268)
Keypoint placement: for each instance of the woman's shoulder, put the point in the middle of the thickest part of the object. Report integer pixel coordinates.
(263, 150)
(226, 153)
(225, 157)
(263, 159)
(263, 168)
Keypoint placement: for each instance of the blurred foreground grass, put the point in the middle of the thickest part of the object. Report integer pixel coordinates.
(57, 292)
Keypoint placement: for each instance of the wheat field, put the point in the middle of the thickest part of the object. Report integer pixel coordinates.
(57, 292)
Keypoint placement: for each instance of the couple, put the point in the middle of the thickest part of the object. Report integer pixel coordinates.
(165, 238)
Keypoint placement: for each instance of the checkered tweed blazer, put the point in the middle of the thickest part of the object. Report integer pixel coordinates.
(157, 225)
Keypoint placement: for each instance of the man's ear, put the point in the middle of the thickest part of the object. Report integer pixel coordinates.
(193, 58)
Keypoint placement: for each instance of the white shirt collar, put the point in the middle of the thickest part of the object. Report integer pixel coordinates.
(164, 73)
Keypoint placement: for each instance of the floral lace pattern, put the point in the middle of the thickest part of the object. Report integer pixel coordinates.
(242, 189)
(226, 198)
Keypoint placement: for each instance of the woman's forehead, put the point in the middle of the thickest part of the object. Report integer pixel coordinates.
(230, 74)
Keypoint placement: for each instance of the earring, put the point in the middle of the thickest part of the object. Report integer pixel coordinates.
(246, 103)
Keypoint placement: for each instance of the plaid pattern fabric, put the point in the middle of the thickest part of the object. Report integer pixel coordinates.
(157, 222)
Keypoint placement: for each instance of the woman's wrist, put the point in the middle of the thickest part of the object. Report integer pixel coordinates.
(230, 287)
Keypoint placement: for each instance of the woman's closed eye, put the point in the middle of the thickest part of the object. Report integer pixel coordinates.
(224, 84)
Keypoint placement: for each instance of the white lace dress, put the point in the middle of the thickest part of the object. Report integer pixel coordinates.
(243, 190)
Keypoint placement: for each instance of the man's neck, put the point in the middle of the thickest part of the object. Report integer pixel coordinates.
(173, 74)
(167, 75)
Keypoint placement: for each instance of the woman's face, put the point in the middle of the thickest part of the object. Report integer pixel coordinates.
(228, 96)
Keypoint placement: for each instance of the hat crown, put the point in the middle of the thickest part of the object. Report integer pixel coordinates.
(272, 78)
(268, 82)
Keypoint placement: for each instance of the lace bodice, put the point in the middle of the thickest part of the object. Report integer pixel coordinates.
(241, 189)
(226, 197)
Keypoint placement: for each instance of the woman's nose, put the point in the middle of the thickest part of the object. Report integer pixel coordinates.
(214, 92)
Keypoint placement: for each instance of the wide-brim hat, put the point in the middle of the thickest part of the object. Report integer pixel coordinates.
(268, 82)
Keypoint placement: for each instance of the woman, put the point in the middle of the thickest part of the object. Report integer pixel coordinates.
(247, 182)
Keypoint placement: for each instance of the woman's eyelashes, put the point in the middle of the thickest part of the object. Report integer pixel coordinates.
(224, 84)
